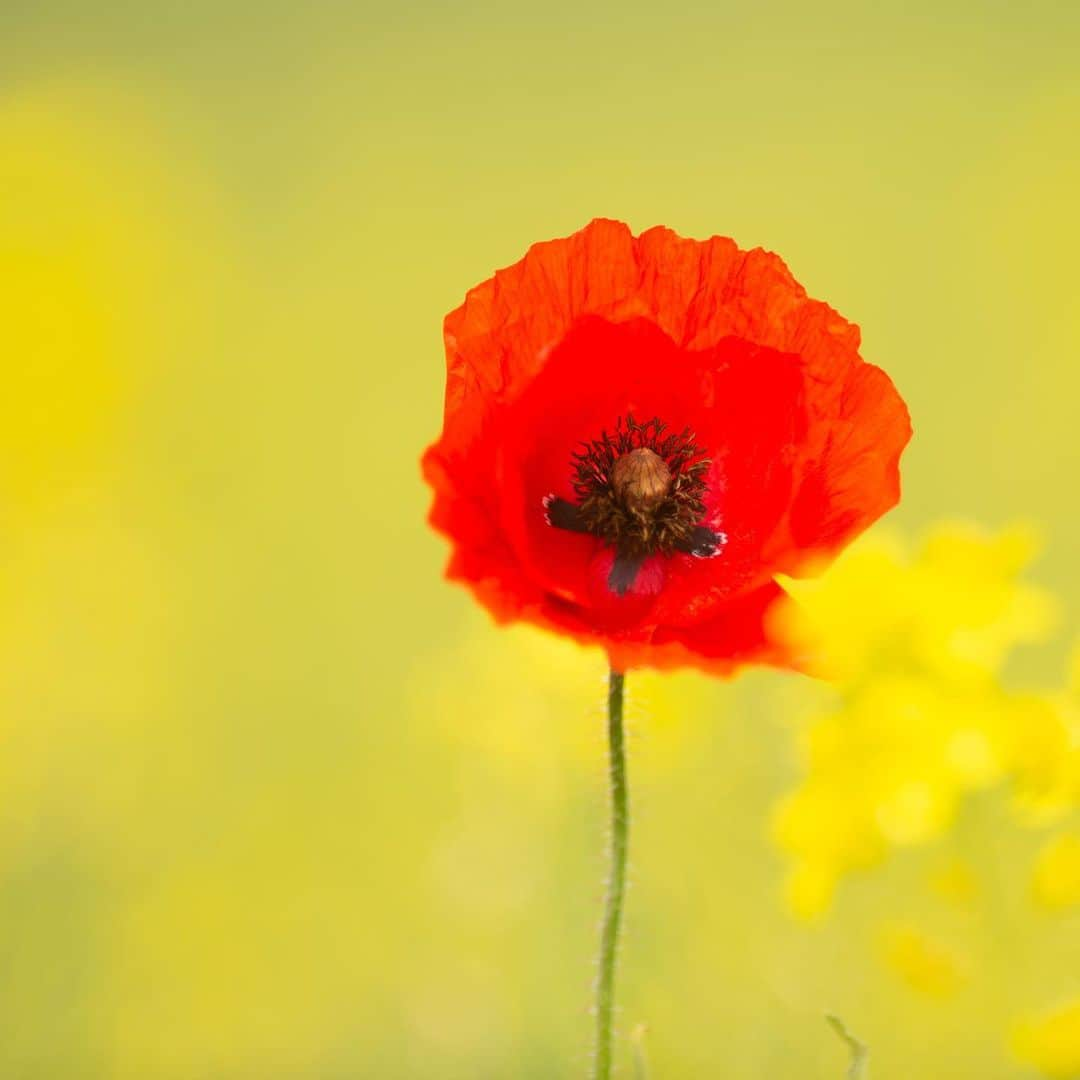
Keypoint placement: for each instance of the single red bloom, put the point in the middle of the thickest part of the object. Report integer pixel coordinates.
(641, 432)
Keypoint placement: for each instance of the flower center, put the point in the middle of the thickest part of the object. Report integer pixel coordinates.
(640, 490)
(641, 480)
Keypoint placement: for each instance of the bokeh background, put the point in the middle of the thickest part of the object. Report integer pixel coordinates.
(277, 802)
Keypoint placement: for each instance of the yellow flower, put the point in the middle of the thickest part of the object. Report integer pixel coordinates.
(925, 965)
(916, 717)
(1051, 1042)
(1056, 880)
(78, 257)
(1044, 757)
(956, 882)
(955, 608)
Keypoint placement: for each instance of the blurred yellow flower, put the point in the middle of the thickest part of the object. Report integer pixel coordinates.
(955, 882)
(954, 609)
(915, 717)
(925, 965)
(1051, 1042)
(1045, 757)
(1056, 879)
(88, 263)
(80, 251)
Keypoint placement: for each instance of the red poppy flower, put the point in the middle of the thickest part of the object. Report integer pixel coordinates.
(641, 432)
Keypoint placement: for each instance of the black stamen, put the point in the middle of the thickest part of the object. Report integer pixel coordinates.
(630, 528)
(644, 506)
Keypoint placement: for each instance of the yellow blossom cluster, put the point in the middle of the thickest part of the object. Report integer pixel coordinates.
(1051, 1041)
(912, 716)
(924, 964)
(915, 715)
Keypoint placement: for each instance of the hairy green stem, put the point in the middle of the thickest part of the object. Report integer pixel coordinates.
(616, 886)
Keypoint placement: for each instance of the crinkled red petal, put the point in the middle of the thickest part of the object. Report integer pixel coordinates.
(805, 437)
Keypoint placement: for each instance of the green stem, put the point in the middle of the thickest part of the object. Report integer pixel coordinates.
(616, 886)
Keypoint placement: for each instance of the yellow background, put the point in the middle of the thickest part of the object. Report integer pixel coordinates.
(277, 802)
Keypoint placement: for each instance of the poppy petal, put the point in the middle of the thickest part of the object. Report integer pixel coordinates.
(802, 436)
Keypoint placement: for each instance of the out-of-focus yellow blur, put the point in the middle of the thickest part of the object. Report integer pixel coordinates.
(277, 802)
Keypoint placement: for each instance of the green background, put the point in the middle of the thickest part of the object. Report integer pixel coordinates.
(275, 801)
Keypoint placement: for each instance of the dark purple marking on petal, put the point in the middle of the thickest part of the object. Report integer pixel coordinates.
(624, 571)
(562, 514)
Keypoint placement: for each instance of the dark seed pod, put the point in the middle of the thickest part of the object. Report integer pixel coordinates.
(641, 479)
